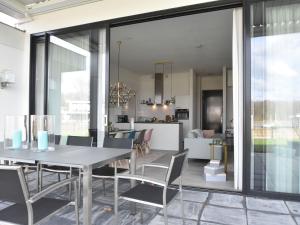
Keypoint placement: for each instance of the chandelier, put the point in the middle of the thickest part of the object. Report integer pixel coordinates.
(119, 93)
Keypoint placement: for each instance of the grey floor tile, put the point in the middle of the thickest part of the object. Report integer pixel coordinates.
(194, 196)
(226, 200)
(262, 218)
(297, 220)
(230, 216)
(191, 209)
(294, 207)
(268, 205)
(207, 223)
(159, 220)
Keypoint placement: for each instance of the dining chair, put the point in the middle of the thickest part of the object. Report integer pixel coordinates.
(147, 139)
(57, 139)
(71, 140)
(108, 172)
(154, 192)
(139, 142)
(30, 210)
(131, 134)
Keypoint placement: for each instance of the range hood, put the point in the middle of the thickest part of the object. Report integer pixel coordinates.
(159, 88)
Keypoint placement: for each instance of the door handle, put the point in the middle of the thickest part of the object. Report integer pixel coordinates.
(105, 120)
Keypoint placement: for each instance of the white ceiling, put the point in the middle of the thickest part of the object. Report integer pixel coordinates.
(21, 9)
(201, 41)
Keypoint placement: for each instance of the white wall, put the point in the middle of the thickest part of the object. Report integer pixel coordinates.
(211, 83)
(14, 99)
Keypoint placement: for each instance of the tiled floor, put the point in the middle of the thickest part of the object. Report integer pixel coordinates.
(200, 208)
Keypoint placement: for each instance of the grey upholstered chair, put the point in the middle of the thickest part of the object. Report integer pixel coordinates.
(30, 210)
(71, 140)
(152, 191)
(107, 172)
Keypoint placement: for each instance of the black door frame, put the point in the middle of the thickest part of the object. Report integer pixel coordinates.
(247, 114)
(107, 24)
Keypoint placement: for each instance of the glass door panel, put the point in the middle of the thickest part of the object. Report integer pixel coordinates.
(69, 83)
(275, 96)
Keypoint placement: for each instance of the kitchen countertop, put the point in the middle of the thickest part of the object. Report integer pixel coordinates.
(160, 122)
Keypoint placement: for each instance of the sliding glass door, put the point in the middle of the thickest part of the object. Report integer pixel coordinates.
(70, 81)
(275, 96)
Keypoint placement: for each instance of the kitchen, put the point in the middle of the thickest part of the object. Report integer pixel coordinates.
(162, 101)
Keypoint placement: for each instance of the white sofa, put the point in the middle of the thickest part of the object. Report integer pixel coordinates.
(199, 147)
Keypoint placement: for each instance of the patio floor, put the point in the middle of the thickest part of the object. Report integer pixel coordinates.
(201, 208)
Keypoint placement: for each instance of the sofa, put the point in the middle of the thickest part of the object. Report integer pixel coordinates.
(198, 141)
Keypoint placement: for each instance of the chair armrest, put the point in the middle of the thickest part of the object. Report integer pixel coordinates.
(142, 179)
(52, 188)
(155, 165)
(158, 165)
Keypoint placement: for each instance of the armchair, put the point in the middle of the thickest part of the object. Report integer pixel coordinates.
(152, 191)
(30, 210)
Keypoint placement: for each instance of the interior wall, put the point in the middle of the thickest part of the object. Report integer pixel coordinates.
(14, 99)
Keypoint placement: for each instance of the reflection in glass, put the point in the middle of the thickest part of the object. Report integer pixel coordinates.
(275, 94)
(69, 83)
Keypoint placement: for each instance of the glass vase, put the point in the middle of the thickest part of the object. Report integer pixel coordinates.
(16, 132)
(42, 133)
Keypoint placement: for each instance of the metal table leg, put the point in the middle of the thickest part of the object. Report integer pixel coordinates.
(133, 165)
(87, 195)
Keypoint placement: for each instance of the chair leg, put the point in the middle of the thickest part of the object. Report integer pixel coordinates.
(41, 178)
(70, 185)
(103, 185)
(58, 174)
(76, 203)
(142, 216)
(165, 215)
(116, 200)
(181, 199)
(79, 188)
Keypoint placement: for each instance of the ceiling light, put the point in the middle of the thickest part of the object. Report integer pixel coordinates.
(119, 93)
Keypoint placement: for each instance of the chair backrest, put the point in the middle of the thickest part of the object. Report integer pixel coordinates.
(80, 141)
(148, 135)
(124, 143)
(176, 166)
(57, 139)
(140, 138)
(132, 134)
(12, 185)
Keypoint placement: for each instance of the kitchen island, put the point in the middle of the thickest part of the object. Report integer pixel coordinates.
(165, 136)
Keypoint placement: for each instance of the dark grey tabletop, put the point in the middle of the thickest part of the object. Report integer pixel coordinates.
(74, 156)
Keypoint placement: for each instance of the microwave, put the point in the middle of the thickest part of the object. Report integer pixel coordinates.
(181, 114)
(122, 118)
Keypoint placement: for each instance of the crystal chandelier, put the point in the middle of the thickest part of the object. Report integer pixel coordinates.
(119, 93)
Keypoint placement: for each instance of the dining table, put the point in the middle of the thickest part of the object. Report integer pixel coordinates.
(81, 157)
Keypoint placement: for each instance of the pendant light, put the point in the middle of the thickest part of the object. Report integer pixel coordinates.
(119, 93)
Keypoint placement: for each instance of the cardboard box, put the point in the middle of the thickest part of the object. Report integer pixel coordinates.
(213, 170)
(215, 178)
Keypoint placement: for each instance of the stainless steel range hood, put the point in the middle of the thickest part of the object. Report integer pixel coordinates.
(159, 88)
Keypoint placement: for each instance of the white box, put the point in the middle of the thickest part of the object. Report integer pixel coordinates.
(213, 170)
(215, 162)
(215, 178)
